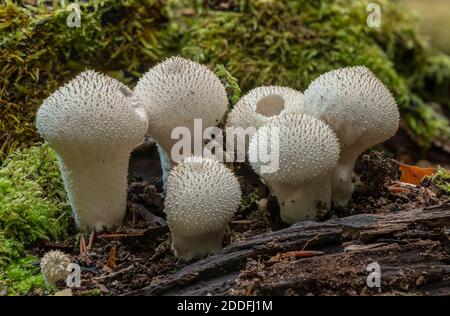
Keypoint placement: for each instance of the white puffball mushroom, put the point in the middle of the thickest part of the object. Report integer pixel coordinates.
(175, 92)
(260, 105)
(93, 123)
(202, 196)
(303, 151)
(54, 266)
(362, 112)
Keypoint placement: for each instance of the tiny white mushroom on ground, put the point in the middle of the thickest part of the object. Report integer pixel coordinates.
(260, 105)
(362, 112)
(54, 266)
(202, 196)
(93, 123)
(305, 151)
(175, 92)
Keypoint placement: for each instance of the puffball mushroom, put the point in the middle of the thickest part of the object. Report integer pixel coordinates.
(260, 105)
(362, 112)
(93, 123)
(54, 266)
(175, 92)
(306, 151)
(202, 196)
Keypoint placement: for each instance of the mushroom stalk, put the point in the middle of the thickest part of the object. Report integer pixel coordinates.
(93, 123)
(301, 202)
(190, 247)
(97, 195)
(342, 185)
(165, 165)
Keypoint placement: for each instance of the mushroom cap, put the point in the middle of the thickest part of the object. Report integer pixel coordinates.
(177, 91)
(202, 196)
(92, 111)
(307, 148)
(260, 105)
(54, 265)
(356, 104)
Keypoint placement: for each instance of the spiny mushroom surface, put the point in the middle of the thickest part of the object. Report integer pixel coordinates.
(93, 123)
(54, 266)
(303, 152)
(202, 196)
(362, 112)
(177, 91)
(260, 105)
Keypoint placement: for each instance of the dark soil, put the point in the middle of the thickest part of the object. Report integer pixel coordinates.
(142, 248)
(376, 174)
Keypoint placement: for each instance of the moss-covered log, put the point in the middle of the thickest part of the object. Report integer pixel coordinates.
(292, 42)
(39, 52)
(287, 42)
(33, 207)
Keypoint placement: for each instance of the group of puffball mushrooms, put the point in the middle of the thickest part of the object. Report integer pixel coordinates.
(94, 122)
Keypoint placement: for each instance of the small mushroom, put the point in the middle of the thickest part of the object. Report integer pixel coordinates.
(307, 150)
(175, 92)
(93, 123)
(54, 266)
(260, 105)
(362, 112)
(202, 196)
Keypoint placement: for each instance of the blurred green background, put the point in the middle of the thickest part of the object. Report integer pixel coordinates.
(434, 17)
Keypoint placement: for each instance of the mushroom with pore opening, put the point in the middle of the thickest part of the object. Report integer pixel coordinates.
(362, 112)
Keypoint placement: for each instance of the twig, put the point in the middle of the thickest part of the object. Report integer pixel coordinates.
(241, 222)
(306, 244)
(112, 257)
(91, 240)
(83, 248)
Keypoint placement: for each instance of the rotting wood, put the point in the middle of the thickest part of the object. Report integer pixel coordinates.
(398, 237)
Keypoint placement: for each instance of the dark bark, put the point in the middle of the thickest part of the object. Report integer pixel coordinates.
(411, 247)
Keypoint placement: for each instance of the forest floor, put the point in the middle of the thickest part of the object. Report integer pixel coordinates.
(404, 228)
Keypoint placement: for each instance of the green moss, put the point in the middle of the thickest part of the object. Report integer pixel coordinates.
(22, 277)
(231, 84)
(39, 52)
(292, 42)
(286, 42)
(33, 207)
(32, 199)
(10, 250)
(442, 180)
(248, 202)
(432, 79)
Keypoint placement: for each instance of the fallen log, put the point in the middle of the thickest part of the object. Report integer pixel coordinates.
(411, 247)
